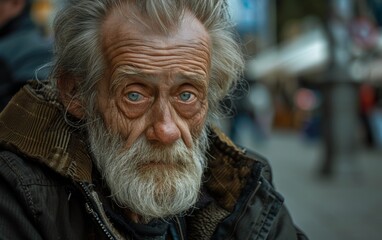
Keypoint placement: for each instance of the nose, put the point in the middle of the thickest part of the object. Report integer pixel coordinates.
(163, 129)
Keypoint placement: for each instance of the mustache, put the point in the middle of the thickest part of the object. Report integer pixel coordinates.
(161, 190)
(149, 153)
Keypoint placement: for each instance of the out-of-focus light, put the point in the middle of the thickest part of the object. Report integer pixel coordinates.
(359, 71)
(306, 99)
(308, 53)
(304, 55)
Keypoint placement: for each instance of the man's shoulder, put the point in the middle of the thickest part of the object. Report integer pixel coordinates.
(239, 155)
(23, 171)
(266, 167)
(32, 195)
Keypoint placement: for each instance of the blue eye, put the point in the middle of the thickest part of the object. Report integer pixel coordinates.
(185, 96)
(134, 96)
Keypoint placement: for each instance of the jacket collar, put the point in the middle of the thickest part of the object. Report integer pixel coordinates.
(33, 125)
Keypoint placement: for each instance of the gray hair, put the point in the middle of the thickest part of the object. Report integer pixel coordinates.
(79, 54)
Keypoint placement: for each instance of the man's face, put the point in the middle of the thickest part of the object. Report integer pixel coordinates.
(155, 85)
(153, 101)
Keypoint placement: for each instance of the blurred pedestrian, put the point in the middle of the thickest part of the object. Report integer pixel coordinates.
(23, 49)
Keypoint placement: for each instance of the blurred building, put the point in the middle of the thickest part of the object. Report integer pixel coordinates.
(317, 59)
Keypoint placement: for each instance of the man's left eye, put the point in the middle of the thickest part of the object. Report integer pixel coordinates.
(134, 96)
(185, 96)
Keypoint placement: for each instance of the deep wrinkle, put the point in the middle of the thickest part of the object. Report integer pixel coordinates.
(133, 75)
(158, 68)
(156, 58)
(149, 88)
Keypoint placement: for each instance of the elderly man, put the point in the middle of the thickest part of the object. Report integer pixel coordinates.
(120, 144)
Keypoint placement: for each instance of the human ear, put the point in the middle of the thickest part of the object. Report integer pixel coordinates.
(67, 88)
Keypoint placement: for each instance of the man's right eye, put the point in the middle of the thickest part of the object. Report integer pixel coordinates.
(134, 96)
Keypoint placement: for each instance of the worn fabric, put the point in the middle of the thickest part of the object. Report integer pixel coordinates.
(50, 189)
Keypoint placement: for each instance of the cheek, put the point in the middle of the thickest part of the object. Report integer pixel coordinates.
(132, 110)
(191, 110)
(115, 118)
(111, 116)
(196, 117)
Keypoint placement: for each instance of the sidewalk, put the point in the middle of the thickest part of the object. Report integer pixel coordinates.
(348, 206)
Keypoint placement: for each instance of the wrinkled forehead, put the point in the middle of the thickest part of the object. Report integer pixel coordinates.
(127, 23)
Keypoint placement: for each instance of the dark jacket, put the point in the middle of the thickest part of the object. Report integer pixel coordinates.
(49, 189)
(23, 50)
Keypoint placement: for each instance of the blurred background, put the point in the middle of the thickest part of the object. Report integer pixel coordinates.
(311, 102)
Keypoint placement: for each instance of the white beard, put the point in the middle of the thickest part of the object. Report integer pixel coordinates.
(151, 181)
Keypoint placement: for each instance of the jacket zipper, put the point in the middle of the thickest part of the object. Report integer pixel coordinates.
(244, 209)
(91, 209)
(258, 172)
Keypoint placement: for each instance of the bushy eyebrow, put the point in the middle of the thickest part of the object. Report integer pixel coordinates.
(197, 79)
(122, 74)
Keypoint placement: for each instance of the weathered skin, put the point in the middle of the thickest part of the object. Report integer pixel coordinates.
(156, 84)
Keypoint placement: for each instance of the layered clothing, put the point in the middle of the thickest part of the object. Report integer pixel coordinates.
(51, 189)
